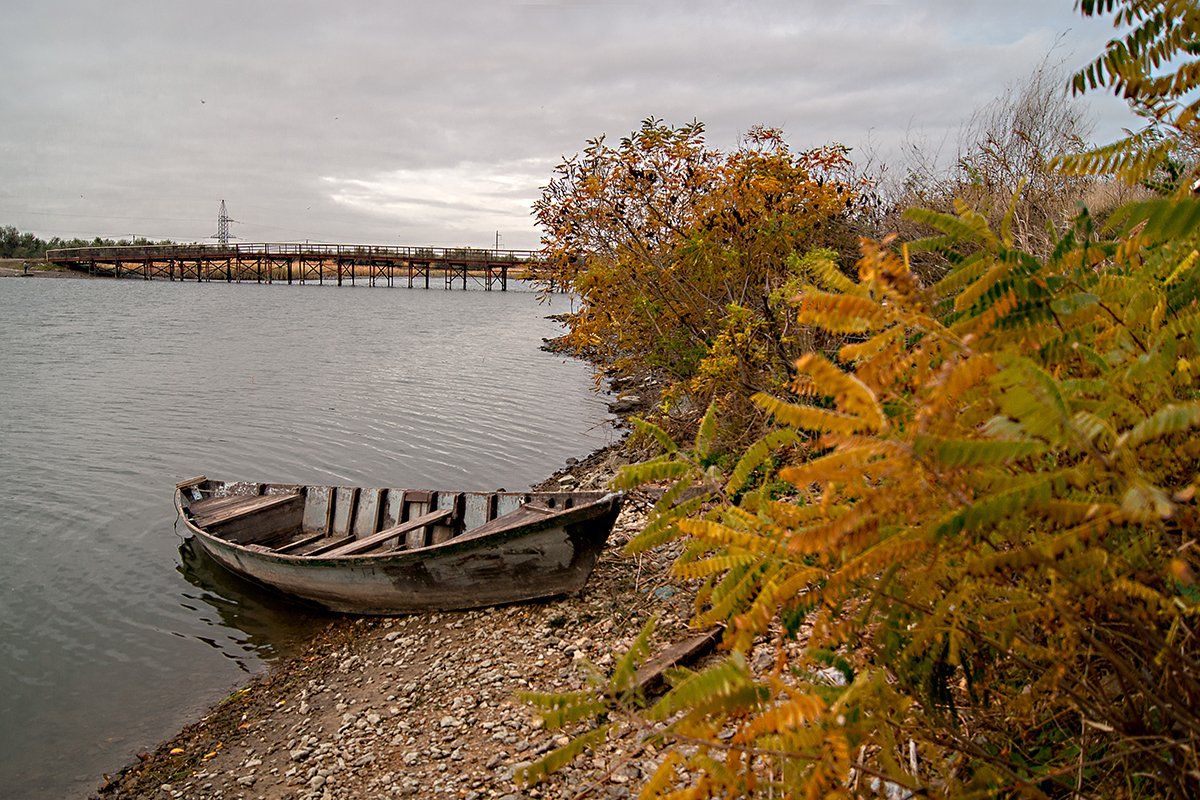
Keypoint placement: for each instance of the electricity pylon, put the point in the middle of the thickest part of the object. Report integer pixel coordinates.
(222, 235)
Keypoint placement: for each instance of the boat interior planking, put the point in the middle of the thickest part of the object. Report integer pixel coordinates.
(367, 548)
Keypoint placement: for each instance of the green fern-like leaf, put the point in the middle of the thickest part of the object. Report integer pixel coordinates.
(821, 266)
(755, 455)
(626, 668)
(998, 507)
(716, 686)
(1171, 419)
(655, 432)
(975, 452)
(1164, 219)
(659, 469)
(708, 427)
(969, 229)
(663, 526)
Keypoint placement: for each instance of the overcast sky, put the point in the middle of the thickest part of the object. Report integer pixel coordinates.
(436, 122)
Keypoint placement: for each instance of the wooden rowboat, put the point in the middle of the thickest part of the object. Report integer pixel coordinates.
(385, 551)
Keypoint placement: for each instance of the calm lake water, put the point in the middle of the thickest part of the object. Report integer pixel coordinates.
(112, 634)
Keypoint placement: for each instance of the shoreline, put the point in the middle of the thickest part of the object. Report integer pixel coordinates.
(13, 268)
(425, 705)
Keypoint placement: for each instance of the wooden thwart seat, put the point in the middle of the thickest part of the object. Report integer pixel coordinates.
(218, 511)
(521, 516)
(374, 540)
(332, 544)
(292, 547)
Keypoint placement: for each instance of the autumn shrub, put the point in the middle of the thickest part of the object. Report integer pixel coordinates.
(983, 579)
(992, 537)
(680, 253)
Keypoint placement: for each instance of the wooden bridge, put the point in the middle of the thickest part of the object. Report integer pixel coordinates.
(373, 265)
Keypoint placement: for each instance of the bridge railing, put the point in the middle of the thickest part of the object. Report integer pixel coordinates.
(307, 250)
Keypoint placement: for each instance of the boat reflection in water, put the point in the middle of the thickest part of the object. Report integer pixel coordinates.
(273, 625)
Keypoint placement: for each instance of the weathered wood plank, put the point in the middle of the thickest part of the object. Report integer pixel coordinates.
(300, 544)
(366, 516)
(446, 501)
(196, 481)
(362, 545)
(507, 503)
(343, 509)
(649, 676)
(393, 508)
(330, 545)
(245, 506)
(272, 520)
(522, 515)
(317, 508)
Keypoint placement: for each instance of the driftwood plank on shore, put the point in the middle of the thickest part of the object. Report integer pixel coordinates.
(649, 677)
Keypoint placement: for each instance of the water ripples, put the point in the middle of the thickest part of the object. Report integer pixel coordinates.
(112, 631)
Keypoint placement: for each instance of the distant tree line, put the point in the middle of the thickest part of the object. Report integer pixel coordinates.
(14, 244)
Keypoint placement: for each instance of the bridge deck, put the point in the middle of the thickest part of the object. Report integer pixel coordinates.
(270, 262)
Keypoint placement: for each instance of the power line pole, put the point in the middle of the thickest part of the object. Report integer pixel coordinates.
(222, 236)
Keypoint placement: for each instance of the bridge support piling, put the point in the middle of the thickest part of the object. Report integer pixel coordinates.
(385, 265)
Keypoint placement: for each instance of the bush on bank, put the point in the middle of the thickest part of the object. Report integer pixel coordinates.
(976, 570)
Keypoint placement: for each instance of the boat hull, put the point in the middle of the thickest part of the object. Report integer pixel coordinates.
(545, 559)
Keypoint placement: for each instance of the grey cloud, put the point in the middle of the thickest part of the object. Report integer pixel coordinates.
(436, 123)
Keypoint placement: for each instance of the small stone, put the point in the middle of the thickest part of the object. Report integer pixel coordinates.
(625, 403)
